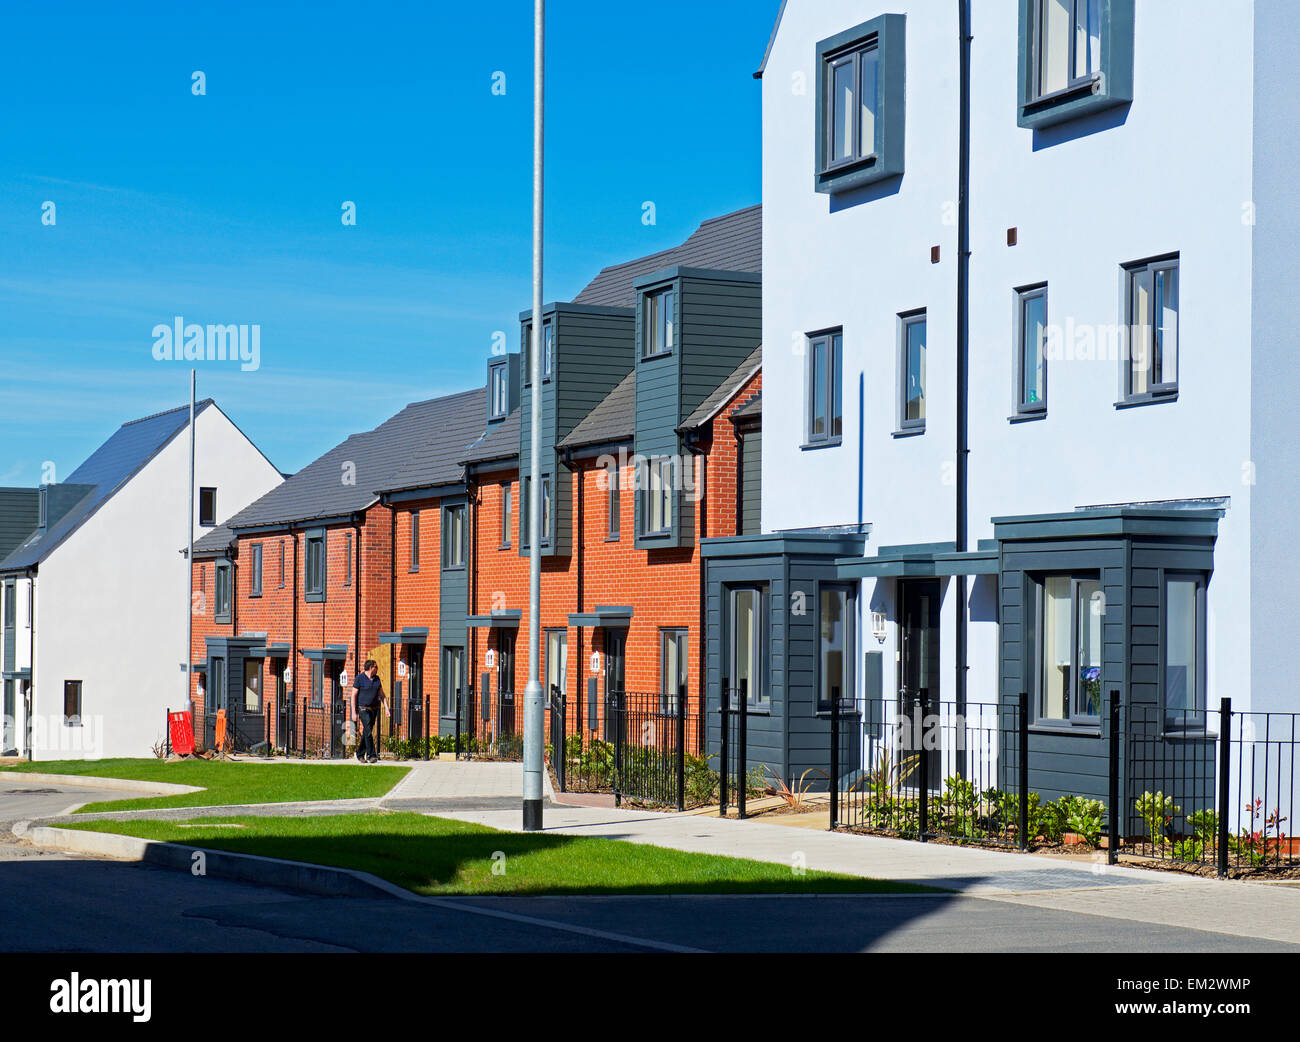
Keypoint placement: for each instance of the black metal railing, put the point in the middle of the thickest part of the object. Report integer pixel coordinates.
(924, 770)
(630, 744)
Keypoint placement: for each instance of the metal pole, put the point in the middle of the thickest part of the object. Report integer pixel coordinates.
(1022, 769)
(742, 750)
(1225, 773)
(724, 723)
(923, 765)
(534, 711)
(835, 760)
(1112, 848)
(681, 747)
(189, 564)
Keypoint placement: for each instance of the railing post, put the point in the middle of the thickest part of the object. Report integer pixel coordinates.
(681, 747)
(835, 760)
(619, 708)
(742, 750)
(1225, 774)
(455, 749)
(1113, 825)
(923, 767)
(1022, 770)
(723, 705)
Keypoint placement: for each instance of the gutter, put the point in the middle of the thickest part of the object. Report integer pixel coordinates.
(963, 342)
(692, 444)
(31, 663)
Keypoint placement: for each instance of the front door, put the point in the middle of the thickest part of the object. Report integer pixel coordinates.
(251, 719)
(7, 745)
(338, 707)
(918, 671)
(452, 689)
(505, 682)
(615, 680)
(414, 690)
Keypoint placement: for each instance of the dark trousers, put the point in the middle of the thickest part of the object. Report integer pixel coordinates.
(367, 750)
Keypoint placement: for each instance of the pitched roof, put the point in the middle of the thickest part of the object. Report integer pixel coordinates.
(750, 410)
(418, 445)
(614, 419)
(714, 403)
(771, 40)
(499, 443)
(732, 242)
(19, 508)
(105, 471)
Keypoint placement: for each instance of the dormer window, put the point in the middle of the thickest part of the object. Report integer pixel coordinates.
(548, 352)
(658, 323)
(42, 501)
(498, 392)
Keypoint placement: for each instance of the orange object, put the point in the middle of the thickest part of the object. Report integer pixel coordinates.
(182, 733)
(221, 730)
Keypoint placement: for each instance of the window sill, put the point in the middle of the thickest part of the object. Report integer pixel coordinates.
(828, 443)
(1027, 416)
(1147, 399)
(613, 538)
(410, 571)
(657, 355)
(506, 546)
(1084, 98)
(255, 596)
(908, 432)
(453, 567)
(1078, 730)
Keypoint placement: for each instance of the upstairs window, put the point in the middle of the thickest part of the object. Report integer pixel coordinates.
(614, 504)
(282, 564)
(659, 497)
(658, 323)
(1075, 59)
(415, 541)
(221, 597)
(824, 381)
(507, 523)
(498, 392)
(255, 570)
(1151, 306)
(548, 350)
(860, 103)
(453, 537)
(1031, 351)
(10, 612)
(207, 507)
(315, 567)
(1068, 39)
(911, 369)
(72, 702)
(42, 511)
(347, 558)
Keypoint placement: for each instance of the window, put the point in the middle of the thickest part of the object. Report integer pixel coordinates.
(453, 537)
(221, 595)
(526, 519)
(72, 702)
(838, 617)
(672, 669)
(824, 389)
(1075, 58)
(1151, 316)
(557, 663)
(317, 683)
(252, 685)
(658, 500)
(415, 543)
(658, 323)
(747, 648)
(453, 679)
(255, 570)
(911, 358)
(498, 394)
(347, 558)
(860, 99)
(507, 523)
(1071, 613)
(548, 351)
(1184, 652)
(207, 507)
(282, 564)
(1031, 351)
(10, 609)
(315, 566)
(42, 512)
(615, 506)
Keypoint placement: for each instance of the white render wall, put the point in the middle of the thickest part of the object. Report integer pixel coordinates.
(112, 598)
(1172, 172)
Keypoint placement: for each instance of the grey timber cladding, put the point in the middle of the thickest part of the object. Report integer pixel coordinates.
(612, 420)
(724, 392)
(751, 482)
(732, 242)
(93, 483)
(453, 592)
(18, 515)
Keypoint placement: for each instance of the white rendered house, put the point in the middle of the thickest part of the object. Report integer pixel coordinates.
(100, 592)
(1029, 418)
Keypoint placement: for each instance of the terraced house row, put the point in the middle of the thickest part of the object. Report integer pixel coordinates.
(408, 544)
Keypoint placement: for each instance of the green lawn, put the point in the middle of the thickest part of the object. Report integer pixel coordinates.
(225, 782)
(438, 856)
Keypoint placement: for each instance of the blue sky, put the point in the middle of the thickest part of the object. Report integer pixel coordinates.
(226, 208)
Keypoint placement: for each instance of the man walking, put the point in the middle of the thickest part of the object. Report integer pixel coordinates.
(368, 695)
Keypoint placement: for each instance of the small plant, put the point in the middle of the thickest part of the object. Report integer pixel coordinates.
(960, 806)
(1255, 840)
(701, 780)
(1157, 811)
(793, 796)
(1084, 817)
(160, 748)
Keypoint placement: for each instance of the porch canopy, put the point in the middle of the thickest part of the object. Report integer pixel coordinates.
(606, 615)
(329, 653)
(408, 635)
(497, 620)
(922, 561)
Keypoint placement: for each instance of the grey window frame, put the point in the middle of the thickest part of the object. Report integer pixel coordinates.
(1201, 581)
(498, 391)
(852, 54)
(664, 496)
(614, 504)
(317, 693)
(1108, 87)
(224, 574)
(42, 507)
(507, 514)
(315, 588)
(832, 397)
(760, 701)
(548, 350)
(208, 510)
(10, 607)
(848, 679)
(446, 689)
(453, 537)
(413, 565)
(652, 303)
(255, 570)
(1024, 409)
(281, 585)
(668, 694)
(1164, 390)
(906, 320)
(1075, 82)
(347, 558)
(1074, 718)
(560, 635)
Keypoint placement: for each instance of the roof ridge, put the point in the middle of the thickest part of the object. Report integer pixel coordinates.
(167, 412)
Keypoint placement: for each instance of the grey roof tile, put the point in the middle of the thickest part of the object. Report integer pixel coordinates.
(614, 419)
(499, 443)
(724, 391)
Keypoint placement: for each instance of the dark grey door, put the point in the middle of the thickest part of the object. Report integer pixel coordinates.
(615, 679)
(250, 715)
(338, 708)
(415, 690)
(919, 671)
(7, 744)
(505, 682)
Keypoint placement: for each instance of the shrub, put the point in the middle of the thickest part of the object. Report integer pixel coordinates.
(1157, 811)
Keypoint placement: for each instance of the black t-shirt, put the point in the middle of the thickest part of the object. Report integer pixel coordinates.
(369, 690)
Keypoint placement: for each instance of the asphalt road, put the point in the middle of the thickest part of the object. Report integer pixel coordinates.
(51, 902)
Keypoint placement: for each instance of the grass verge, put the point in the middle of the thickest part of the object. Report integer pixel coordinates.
(227, 782)
(438, 856)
